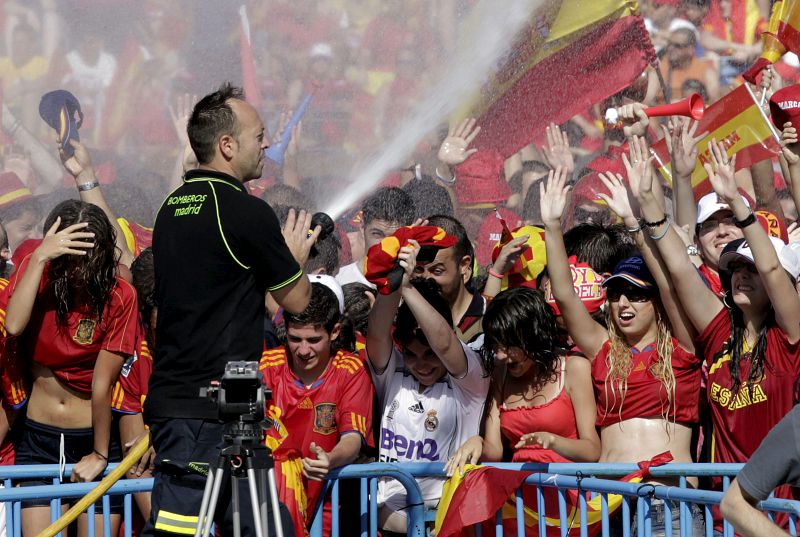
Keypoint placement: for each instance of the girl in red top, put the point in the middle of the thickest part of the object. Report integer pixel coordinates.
(646, 377)
(750, 339)
(542, 405)
(75, 321)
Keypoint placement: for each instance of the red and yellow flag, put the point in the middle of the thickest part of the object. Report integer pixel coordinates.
(572, 55)
(735, 120)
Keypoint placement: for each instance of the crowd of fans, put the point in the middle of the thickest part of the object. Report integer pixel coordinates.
(472, 308)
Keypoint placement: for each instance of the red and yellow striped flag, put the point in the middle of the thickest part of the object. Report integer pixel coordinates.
(737, 121)
(573, 55)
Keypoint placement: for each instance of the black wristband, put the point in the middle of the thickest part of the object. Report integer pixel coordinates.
(100, 455)
(741, 224)
(655, 224)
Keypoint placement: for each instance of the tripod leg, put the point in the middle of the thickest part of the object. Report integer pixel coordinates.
(237, 520)
(276, 506)
(252, 482)
(261, 476)
(212, 507)
(204, 504)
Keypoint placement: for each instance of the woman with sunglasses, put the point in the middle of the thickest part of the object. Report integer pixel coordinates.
(750, 339)
(646, 377)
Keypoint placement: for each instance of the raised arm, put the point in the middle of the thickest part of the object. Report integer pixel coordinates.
(682, 142)
(790, 160)
(780, 288)
(587, 334)
(698, 301)
(637, 165)
(79, 165)
(454, 149)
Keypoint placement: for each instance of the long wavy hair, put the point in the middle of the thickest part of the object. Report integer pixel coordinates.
(735, 346)
(520, 317)
(83, 282)
(619, 361)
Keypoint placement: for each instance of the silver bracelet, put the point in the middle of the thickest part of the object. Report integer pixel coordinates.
(88, 186)
(635, 229)
(443, 180)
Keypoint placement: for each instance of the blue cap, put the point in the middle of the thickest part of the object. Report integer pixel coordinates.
(634, 271)
(58, 109)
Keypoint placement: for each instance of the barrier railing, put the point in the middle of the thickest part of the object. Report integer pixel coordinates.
(636, 497)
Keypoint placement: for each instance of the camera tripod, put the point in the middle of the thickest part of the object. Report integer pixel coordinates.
(250, 460)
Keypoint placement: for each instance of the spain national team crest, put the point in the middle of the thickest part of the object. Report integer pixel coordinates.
(325, 418)
(84, 334)
(431, 422)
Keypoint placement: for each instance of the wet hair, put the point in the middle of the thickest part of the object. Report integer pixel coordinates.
(520, 317)
(211, 118)
(324, 255)
(693, 85)
(619, 361)
(601, 247)
(454, 228)
(322, 310)
(389, 204)
(429, 197)
(72, 277)
(531, 205)
(356, 310)
(287, 195)
(406, 327)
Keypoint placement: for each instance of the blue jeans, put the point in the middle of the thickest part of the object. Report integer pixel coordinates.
(658, 520)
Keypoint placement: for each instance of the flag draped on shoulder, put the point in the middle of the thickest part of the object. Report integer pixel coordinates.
(574, 54)
(735, 120)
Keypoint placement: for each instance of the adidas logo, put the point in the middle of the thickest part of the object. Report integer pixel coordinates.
(640, 367)
(306, 404)
(417, 408)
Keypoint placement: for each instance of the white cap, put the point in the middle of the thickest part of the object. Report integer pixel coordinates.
(331, 283)
(321, 50)
(711, 203)
(786, 255)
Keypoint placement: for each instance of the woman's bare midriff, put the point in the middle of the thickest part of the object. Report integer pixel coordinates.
(641, 439)
(52, 403)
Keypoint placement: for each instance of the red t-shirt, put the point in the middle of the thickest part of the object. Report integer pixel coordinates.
(739, 423)
(646, 396)
(339, 402)
(131, 388)
(71, 352)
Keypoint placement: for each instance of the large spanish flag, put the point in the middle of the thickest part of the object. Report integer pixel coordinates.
(574, 54)
(737, 121)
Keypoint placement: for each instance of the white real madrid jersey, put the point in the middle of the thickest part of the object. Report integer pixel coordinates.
(428, 426)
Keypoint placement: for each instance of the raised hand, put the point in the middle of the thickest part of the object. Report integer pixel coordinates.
(557, 153)
(721, 171)
(639, 167)
(454, 149)
(509, 254)
(553, 196)
(296, 234)
(789, 137)
(79, 163)
(618, 200)
(407, 258)
(683, 146)
(72, 240)
(180, 114)
(635, 119)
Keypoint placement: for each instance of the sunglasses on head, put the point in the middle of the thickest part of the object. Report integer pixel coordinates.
(632, 293)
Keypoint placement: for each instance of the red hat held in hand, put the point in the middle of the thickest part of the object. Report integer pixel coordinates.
(784, 106)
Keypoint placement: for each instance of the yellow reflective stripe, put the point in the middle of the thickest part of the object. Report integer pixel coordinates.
(177, 517)
(174, 529)
(287, 282)
(210, 180)
(219, 224)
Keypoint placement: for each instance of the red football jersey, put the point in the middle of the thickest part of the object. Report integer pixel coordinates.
(131, 388)
(71, 352)
(741, 421)
(339, 402)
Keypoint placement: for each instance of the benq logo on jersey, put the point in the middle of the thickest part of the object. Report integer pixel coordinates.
(407, 448)
(128, 365)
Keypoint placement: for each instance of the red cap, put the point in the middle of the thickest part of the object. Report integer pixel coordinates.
(785, 106)
(489, 233)
(611, 160)
(480, 180)
(12, 190)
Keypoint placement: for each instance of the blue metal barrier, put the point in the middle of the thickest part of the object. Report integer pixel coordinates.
(637, 497)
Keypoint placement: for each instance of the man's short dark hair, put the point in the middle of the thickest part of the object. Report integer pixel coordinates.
(454, 228)
(601, 247)
(322, 310)
(389, 204)
(429, 197)
(324, 255)
(531, 206)
(211, 118)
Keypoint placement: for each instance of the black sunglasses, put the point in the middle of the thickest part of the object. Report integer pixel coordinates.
(632, 293)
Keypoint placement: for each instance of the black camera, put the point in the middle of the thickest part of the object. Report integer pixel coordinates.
(240, 394)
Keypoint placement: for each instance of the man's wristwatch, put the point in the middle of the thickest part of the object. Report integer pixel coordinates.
(692, 250)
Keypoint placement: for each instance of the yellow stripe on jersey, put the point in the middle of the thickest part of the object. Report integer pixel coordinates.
(360, 423)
